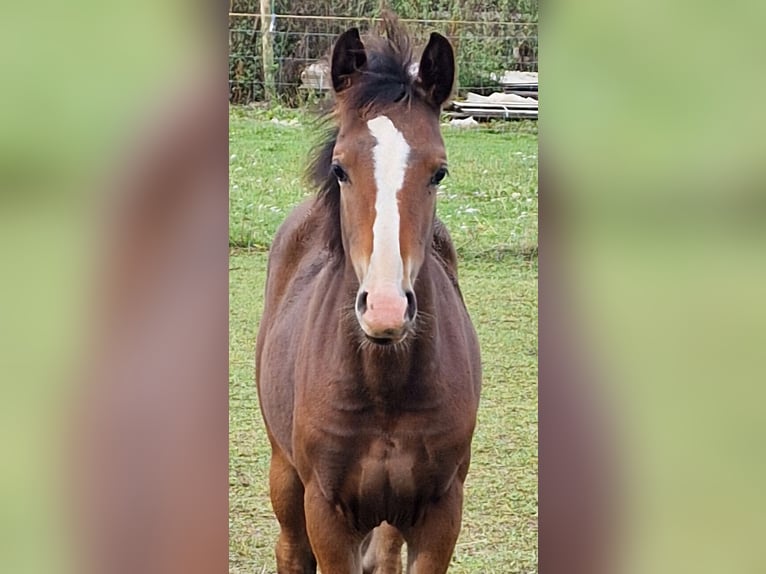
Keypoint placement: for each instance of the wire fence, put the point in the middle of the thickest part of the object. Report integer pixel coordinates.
(281, 55)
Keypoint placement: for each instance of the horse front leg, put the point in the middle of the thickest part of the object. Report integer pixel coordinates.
(431, 542)
(336, 545)
(293, 551)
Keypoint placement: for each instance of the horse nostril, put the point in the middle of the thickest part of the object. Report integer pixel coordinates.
(412, 306)
(361, 302)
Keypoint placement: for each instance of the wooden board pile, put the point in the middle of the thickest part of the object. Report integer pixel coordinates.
(518, 99)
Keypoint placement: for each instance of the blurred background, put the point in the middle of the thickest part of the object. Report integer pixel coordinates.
(112, 310)
(652, 150)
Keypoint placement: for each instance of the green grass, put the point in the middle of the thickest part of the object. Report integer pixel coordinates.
(498, 274)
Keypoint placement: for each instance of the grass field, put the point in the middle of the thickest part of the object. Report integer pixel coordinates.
(489, 203)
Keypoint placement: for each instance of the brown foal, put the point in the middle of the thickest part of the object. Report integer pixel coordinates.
(367, 363)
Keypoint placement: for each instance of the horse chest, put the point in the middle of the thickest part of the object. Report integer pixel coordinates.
(386, 468)
(388, 477)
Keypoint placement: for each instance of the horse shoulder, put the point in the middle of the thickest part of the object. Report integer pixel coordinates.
(293, 244)
(295, 247)
(445, 253)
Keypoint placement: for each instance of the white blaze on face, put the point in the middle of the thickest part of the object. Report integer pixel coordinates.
(390, 156)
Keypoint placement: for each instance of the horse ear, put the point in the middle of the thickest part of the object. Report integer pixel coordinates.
(436, 72)
(348, 57)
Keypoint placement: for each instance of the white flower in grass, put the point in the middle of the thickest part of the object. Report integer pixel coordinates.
(515, 195)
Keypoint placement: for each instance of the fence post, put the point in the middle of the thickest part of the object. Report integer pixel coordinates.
(267, 50)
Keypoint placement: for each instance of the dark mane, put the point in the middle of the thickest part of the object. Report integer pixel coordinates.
(385, 79)
(320, 176)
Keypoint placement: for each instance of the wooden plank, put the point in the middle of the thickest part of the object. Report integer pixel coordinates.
(504, 114)
(493, 105)
(522, 93)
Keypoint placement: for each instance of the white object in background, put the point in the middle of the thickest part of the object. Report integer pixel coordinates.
(468, 122)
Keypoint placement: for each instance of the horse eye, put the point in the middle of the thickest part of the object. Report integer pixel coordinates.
(439, 176)
(339, 173)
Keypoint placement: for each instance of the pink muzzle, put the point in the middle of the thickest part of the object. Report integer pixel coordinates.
(385, 313)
